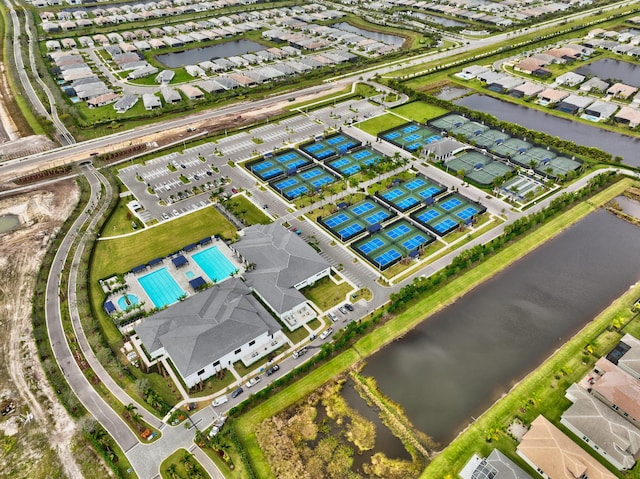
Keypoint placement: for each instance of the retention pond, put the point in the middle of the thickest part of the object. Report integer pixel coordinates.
(8, 223)
(454, 366)
(213, 52)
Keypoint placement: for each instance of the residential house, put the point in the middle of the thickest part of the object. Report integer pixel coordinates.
(554, 455)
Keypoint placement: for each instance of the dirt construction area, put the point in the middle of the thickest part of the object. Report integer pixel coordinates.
(38, 439)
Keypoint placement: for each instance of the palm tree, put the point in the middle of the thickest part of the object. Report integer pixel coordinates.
(172, 471)
(129, 410)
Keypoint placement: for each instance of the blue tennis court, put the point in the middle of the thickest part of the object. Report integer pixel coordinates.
(315, 147)
(429, 192)
(286, 183)
(450, 204)
(445, 225)
(307, 175)
(407, 203)
(387, 257)
(262, 166)
(386, 247)
(466, 213)
(393, 194)
(377, 217)
(428, 215)
(410, 136)
(350, 163)
(350, 230)
(404, 195)
(336, 220)
(398, 231)
(445, 216)
(362, 154)
(270, 168)
(363, 207)
(304, 182)
(392, 136)
(415, 242)
(337, 144)
(413, 184)
(371, 245)
(352, 220)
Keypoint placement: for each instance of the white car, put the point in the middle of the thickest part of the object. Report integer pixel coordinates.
(253, 381)
(219, 401)
(326, 333)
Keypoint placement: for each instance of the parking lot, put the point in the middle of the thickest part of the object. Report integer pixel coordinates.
(181, 182)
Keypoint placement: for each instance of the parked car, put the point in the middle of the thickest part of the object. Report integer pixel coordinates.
(332, 317)
(234, 191)
(299, 352)
(175, 213)
(253, 381)
(273, 369)
(237, 392)
(165, 216)
(342, 310)
(219, 401)
(348, 306)
(326, 333)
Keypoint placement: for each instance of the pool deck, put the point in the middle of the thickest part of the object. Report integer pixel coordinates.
(178, 274)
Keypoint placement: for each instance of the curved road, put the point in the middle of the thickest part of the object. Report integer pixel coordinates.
(63, 354)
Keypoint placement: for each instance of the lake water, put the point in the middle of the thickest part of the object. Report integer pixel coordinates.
(455, 365)
(378, 36)
(610, 69)
(618, 145)
(445, 22)
(8, 222)
(212, 52)
(629, 206)
(451, 93)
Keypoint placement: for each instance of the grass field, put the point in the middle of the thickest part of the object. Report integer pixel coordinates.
(120, 221)
(326, 294)
(380, 123)
(119, 255)
(182, 464)
(419, 111)
(244, 209)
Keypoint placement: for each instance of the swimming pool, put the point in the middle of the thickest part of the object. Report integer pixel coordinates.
(161, 288)
(214, 264)
(127, 301)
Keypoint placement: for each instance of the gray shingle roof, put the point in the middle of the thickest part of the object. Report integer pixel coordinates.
(206, 326)
(282, 260)
(609, 430)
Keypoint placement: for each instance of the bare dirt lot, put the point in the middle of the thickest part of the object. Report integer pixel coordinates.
(44, 446)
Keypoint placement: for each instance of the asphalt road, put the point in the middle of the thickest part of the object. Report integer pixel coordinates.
(63, 354)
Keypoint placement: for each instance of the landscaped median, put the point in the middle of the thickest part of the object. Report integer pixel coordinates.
(420, 309)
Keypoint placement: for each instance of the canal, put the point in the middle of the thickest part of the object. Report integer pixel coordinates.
(456, 364)
(212, 52)
(618, 145)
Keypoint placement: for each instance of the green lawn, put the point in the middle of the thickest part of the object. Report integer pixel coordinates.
(182, 464)
(326, 294)
(419, 111)
(120, 221)
(244, 209)
(119, 255)
(380, 123)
